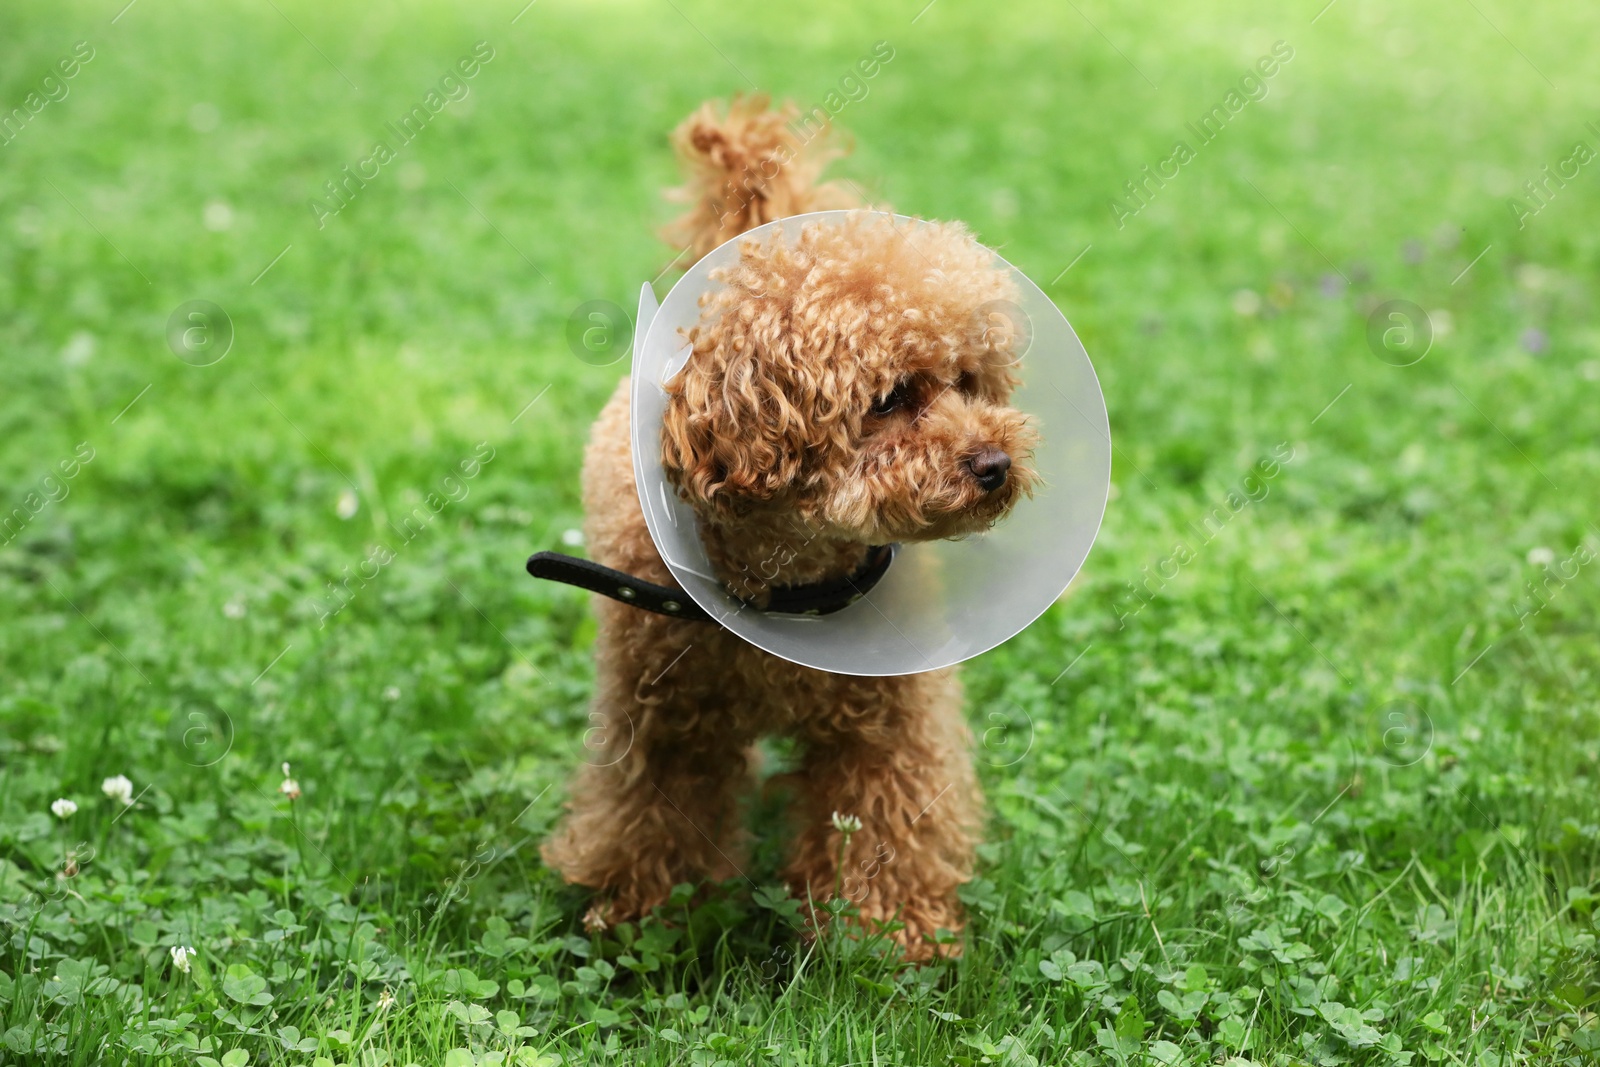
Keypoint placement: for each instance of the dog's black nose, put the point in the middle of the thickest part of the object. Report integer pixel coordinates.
(989, 466)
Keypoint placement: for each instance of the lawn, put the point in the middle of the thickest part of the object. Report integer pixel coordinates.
(1302, 770)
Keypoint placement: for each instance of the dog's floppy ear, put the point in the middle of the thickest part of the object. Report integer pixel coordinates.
(730, 438)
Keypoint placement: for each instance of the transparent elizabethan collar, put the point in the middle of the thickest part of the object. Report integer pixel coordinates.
(941, 602)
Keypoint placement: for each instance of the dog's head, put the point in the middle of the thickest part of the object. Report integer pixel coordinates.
(857, 379)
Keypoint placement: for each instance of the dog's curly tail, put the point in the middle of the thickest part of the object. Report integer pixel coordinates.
(747, 165)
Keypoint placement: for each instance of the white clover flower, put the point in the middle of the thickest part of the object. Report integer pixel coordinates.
(63, 808)
(181, 955)
(118, 789)
(79, 349)
(846, 824)
(217, 216)
(348, 505)
(386, 1001)
(572, 538)
(1540, 556)
(290, 788)
(391, 693)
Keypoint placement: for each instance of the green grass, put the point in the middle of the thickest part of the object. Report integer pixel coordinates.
(1289, 810)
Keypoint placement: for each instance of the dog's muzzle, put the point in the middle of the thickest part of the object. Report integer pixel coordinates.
(990, 467)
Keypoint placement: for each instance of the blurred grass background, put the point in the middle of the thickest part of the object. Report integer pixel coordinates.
(1230, 752)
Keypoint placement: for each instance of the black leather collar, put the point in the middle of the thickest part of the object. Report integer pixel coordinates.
(817, 598)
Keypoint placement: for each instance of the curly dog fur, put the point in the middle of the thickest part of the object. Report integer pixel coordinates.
(845, 390)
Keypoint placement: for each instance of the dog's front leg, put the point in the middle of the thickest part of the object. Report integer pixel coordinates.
(905, 771)
(656, 804)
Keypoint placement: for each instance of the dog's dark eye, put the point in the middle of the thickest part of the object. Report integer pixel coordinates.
(894, 401)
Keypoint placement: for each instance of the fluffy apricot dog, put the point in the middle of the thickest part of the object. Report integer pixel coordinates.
(846, 390)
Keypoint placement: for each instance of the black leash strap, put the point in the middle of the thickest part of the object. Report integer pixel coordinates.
(818, 598)
(586, 574)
